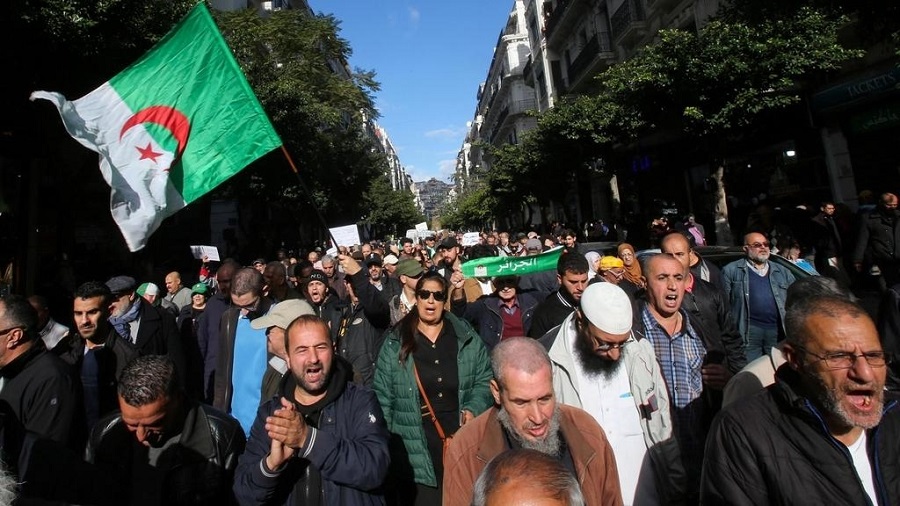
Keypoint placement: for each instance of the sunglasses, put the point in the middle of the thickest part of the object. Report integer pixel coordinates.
(427, 294)
(757, 245)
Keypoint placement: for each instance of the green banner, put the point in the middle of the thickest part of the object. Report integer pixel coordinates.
(512, 266)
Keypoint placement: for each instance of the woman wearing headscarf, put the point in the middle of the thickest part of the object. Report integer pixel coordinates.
(632, 266)
(593, 258)
(431, 352)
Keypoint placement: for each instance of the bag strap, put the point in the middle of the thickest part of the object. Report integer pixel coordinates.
(434, 420)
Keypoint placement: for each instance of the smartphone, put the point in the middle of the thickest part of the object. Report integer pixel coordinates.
(714, 357)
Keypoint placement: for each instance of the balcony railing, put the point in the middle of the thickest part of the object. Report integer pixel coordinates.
(628, 13)
(599, 43)
(555, 15)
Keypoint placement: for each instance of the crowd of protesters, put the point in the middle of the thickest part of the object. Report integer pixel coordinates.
(381, 374)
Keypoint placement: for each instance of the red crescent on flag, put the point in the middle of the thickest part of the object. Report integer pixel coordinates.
(167, 117)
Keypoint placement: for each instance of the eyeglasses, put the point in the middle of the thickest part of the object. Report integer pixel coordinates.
(846, 360)
(427, 294)
(757, 245)
(604, 346)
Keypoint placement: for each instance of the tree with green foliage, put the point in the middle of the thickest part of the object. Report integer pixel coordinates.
(473, 210)
(295, 64)
(388, 211)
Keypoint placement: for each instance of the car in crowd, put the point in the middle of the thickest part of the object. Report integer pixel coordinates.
(721, 256)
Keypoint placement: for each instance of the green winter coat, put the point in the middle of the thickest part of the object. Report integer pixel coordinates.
(399, 397)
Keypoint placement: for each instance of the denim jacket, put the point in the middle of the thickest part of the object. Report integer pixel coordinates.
(736, 281)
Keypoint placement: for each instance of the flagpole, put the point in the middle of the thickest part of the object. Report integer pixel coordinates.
(308, 194)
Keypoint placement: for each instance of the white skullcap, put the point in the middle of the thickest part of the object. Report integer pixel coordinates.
(607, 307)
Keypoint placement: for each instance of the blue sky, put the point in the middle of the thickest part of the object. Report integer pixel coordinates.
(430, 57)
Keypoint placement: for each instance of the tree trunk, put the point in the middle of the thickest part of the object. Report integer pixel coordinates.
(723, 229)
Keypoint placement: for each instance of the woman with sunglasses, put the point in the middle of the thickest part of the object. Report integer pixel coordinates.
(432, 351)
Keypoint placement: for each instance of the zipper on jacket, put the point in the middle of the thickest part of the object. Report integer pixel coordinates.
(882, 493)
(841, 448)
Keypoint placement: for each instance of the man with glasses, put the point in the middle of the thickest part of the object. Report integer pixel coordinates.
(242, 357)
(606, 369)
(38, 395)
(825, 433)
(756, 289)
(504, 314)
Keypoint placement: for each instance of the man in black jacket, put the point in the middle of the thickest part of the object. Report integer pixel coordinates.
(572, 271)
(242, 355)
(163, 448)
(707, 307)
(96, 352)
(825, 432)
(38, 396)
(878, 240)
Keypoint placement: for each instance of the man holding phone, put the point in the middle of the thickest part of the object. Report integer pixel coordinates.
(692, 358)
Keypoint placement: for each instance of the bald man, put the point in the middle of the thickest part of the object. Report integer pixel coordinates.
(177, 293)
(756, 290)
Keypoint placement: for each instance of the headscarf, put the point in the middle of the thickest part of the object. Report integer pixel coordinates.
(632, 273)
(592, 257)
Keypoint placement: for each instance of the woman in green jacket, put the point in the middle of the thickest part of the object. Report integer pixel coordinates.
(454, 369)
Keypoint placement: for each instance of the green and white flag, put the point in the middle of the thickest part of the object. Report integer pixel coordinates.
(489, 267)
(171, 127)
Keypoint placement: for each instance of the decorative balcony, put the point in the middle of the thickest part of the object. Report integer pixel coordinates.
(555, 16)
(629, 22)
(596, 50)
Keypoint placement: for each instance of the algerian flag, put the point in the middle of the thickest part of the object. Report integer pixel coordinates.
(512, 266)
(171, 127)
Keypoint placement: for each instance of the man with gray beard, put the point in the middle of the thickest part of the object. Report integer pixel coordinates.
(602, 365)
(527, 416)
(825, 433)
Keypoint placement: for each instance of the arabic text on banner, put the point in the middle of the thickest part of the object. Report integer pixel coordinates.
(512, 266)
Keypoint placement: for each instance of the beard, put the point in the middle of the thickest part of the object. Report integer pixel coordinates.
(592, 364)
(834, 402)
(550, 445)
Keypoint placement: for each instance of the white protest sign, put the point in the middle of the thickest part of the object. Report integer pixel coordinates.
(210, 252)
(421, 228)
(471, 238)
(346, 236)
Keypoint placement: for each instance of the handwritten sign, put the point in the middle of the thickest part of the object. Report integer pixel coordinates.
(210, 252)
(470, 238)
(512, 266)
(347, 235)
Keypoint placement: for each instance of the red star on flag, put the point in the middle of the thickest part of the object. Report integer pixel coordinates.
(148, 153)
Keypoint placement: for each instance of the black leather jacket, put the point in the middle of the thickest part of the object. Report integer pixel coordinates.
(197, 469)
(223, 390)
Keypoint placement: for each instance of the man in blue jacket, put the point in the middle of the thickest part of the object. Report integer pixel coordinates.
(756, 289)
(324, 441)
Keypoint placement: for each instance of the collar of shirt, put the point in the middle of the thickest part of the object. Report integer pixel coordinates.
(762, 271)
(406, 302)
(509, 308)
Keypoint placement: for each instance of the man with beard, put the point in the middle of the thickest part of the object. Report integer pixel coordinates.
(527, 416)
(825, 432)
(324, 441)
(572, 272)
(604, 367)
(756, 289)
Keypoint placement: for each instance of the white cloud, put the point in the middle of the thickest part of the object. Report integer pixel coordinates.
(447, 167)
(414, 15)
(446, 133)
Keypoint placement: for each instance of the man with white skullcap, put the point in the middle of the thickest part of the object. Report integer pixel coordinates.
(601, 366)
